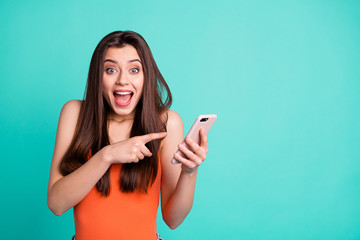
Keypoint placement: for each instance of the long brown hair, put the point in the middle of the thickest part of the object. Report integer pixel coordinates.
(91, 133)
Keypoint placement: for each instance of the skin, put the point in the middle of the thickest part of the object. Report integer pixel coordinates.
(124, 71)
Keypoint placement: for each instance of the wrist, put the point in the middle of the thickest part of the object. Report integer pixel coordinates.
(189, 171)
(106, 154)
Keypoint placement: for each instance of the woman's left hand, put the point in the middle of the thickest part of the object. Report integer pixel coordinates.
(194, 154)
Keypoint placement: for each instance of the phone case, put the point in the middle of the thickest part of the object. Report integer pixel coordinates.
(203, 121)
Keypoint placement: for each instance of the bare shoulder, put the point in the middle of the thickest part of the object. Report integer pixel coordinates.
(71, 107)
(173, 120)
(175, 134)
(67, 123)
(69, 115)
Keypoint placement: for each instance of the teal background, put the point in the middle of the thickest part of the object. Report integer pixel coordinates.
(282, 76)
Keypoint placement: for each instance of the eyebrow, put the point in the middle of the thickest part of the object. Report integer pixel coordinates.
(130, 61)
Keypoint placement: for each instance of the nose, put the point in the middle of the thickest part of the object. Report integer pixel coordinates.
(122, 79)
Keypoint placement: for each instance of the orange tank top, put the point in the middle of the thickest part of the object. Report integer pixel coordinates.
(119, 215)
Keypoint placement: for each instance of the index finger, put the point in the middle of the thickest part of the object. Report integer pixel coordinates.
(152, 136)
(204, 140)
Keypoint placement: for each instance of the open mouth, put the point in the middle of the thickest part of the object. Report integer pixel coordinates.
(123, 98)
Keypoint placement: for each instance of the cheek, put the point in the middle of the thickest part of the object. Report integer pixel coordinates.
(139, 84)
(106, 85)
(106, 96)
(104, 93)
(105, 90)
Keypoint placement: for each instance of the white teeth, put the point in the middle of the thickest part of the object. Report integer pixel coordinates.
(122, 93)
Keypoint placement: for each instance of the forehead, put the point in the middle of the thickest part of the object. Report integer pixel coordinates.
(122, 54)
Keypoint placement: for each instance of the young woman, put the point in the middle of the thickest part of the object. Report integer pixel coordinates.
(113, 150)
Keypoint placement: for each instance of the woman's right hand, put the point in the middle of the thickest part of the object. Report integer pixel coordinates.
(132, 149)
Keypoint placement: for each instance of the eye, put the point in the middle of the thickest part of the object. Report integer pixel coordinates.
(134, 70)
(110, 70)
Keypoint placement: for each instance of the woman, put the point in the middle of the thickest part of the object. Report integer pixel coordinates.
(113, 150)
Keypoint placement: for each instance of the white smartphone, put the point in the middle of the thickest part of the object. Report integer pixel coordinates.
(203, 121)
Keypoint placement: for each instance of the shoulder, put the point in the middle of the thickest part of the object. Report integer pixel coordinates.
(173, 120)
(174, 129)
(71, 107)
(69, 116)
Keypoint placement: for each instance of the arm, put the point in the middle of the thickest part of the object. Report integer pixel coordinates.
(66, 192)
(178, 181)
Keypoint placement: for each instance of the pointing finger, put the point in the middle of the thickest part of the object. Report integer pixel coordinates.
(152, 136)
